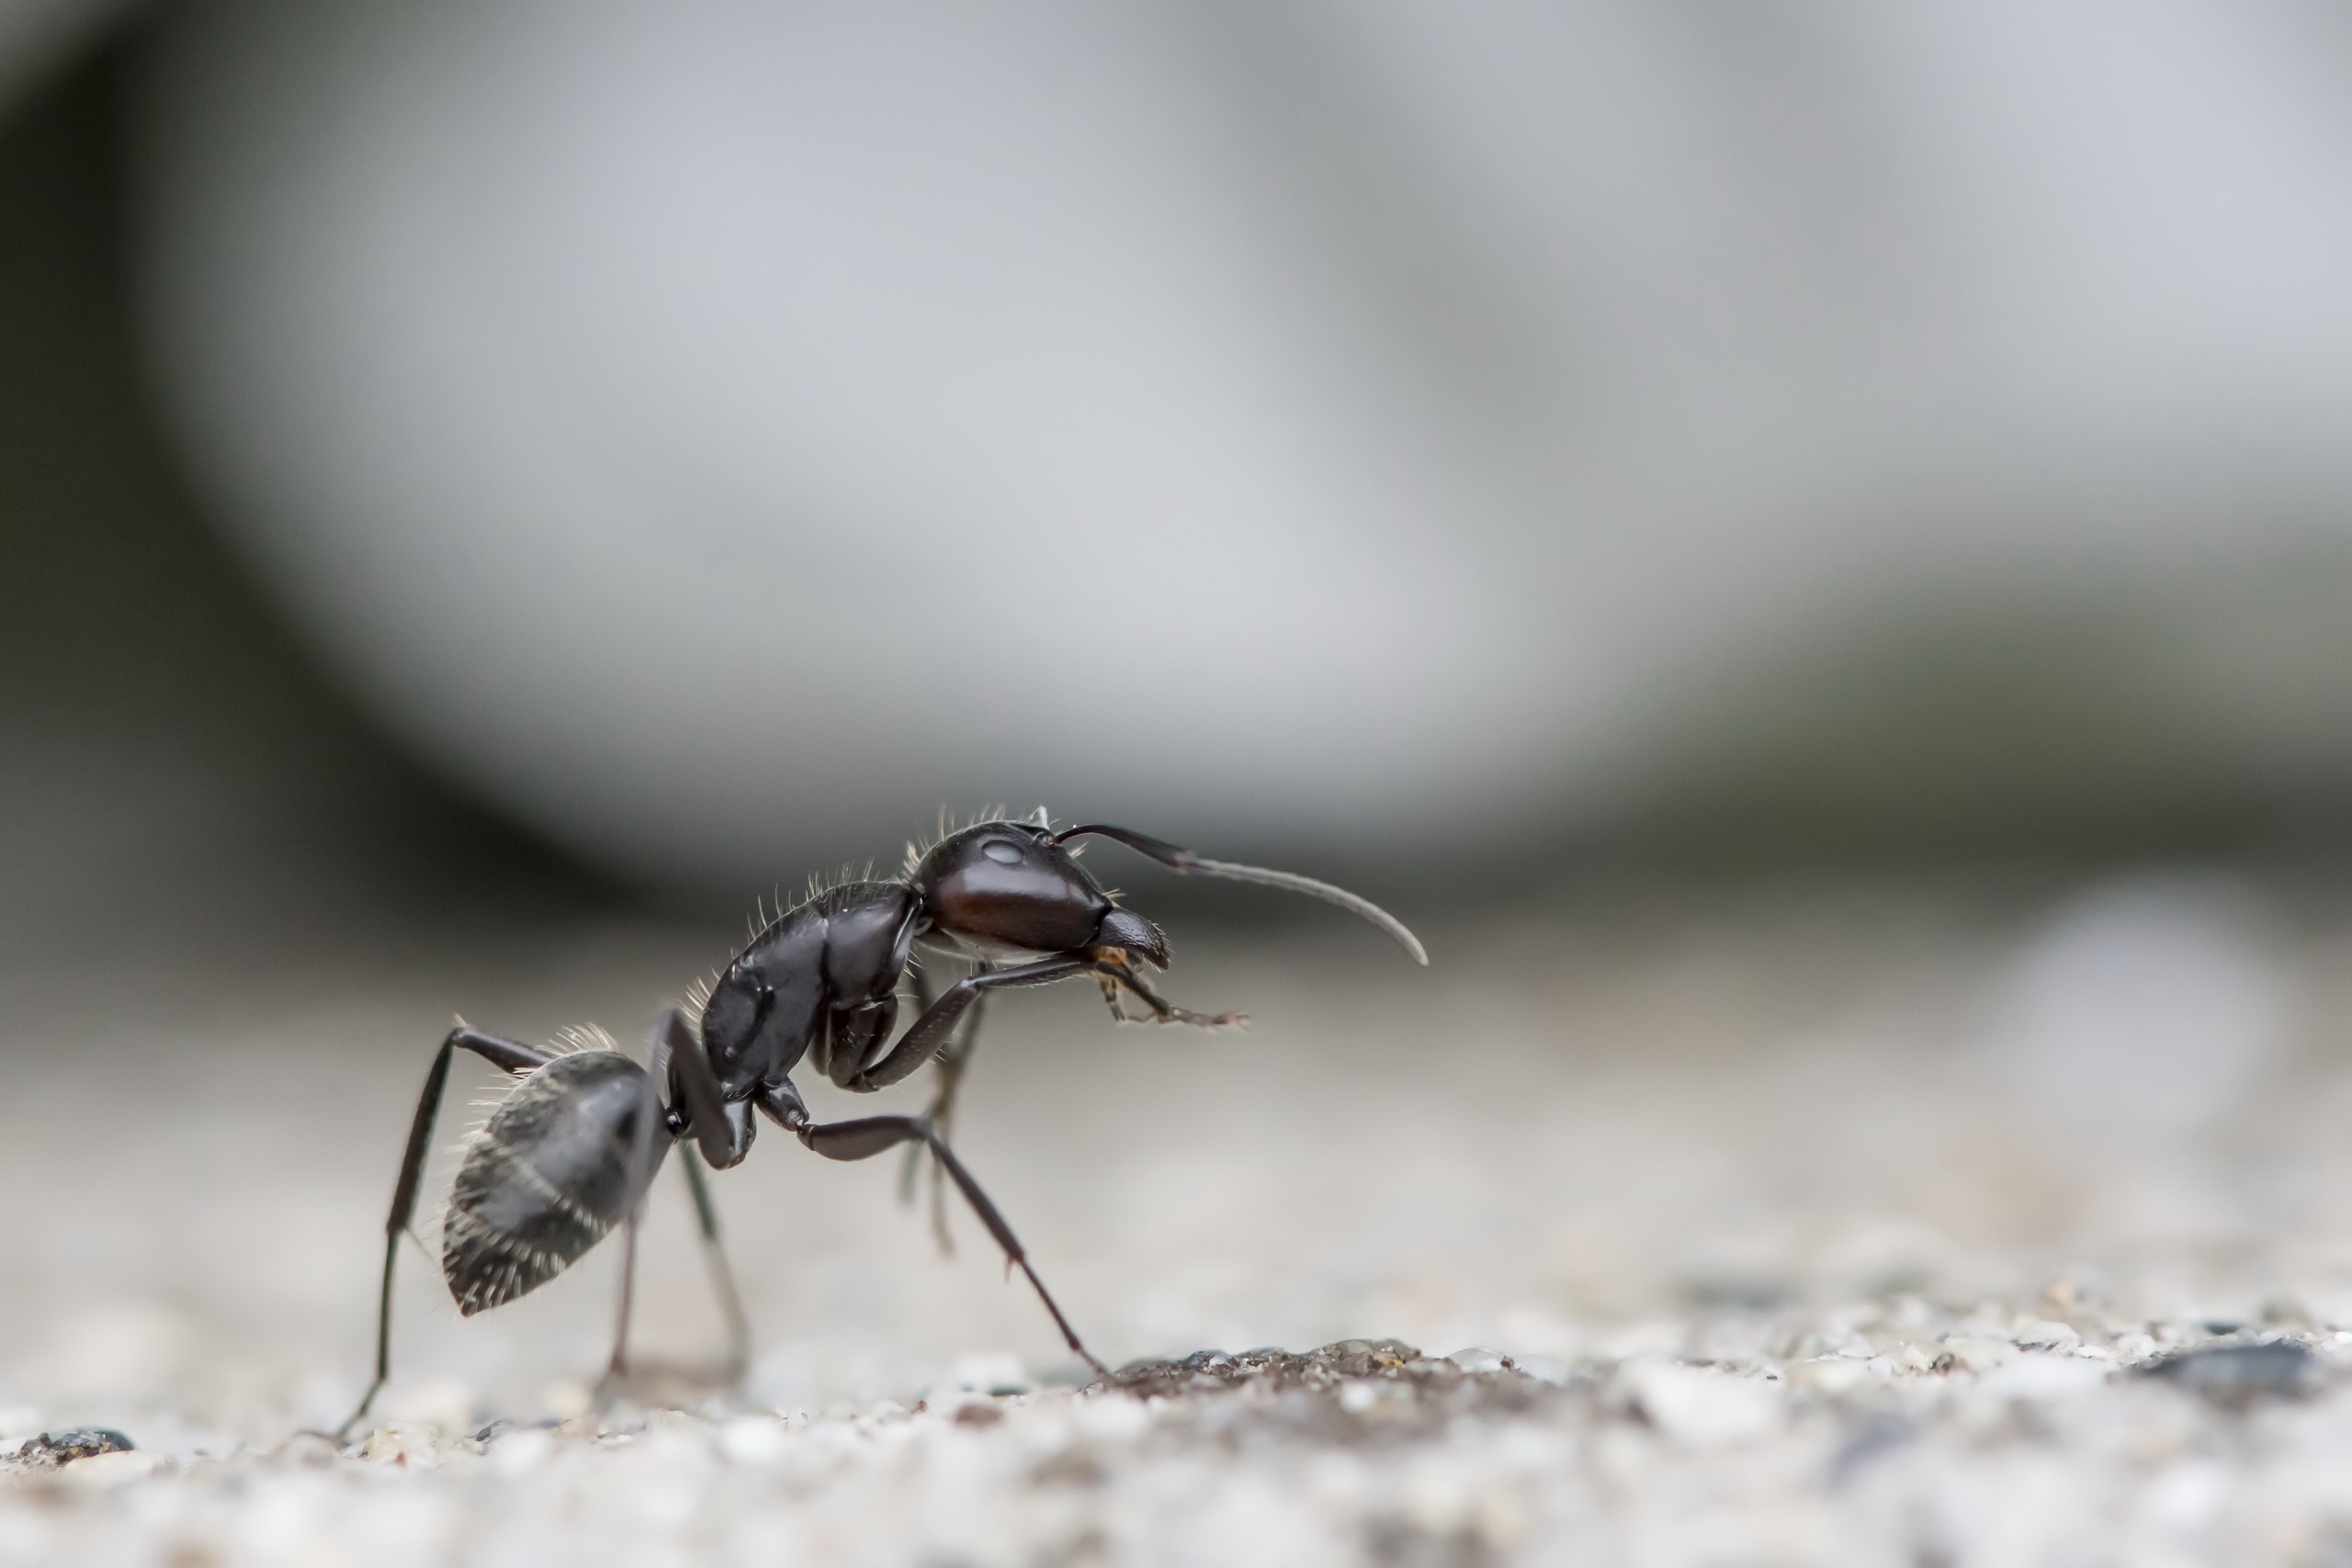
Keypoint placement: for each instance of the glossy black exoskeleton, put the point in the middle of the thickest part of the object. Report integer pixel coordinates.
(569, 1153)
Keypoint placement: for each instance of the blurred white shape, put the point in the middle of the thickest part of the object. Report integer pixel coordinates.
(716, 426)
(724, 431)
(2143, 1010)
(1701, 1407)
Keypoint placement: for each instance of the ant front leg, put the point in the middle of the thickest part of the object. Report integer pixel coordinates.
(698, 1105)
(1116, 975)
(871, 1136)
(508, 1056)
(928, 1034)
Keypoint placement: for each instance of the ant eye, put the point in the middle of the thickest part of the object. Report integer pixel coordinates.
(1004, 851)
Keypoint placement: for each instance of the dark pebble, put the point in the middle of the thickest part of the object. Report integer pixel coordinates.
(1204, 1370)
(79, 1442)
(2239, 1374)
(1880, 1432)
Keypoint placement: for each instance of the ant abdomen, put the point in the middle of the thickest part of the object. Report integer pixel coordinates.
(546, 1178)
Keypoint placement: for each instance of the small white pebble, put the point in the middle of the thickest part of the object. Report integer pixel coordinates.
(1978, 1353)
(1701, 1408)
(401, 1442)
(100, 1472)
(755, 1440)
(2044, 1377)
(520, 1452)
(1831, 1375)
(565, 1400)
(444, 1403)
(1476, 1360)
(2042, 1333)
(1116, 1419)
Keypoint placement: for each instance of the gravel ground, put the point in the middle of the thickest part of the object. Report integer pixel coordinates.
(1808, 1230)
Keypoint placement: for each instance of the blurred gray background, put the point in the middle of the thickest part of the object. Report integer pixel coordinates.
(466, 454)
(488, 491)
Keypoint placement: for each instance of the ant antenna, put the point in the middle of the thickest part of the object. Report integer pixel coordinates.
(1186, 861)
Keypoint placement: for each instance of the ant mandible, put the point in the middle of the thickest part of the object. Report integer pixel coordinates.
(571, 1150)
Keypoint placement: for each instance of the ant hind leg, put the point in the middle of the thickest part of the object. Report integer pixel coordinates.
(942, 1115)
(509, 1056)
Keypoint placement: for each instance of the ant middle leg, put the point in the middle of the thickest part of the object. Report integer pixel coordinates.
(952, 1060)
(919, 982)
(871, 1136)
(509, 1056)
(722, 1277)
(721, 1135)
(621, 1376)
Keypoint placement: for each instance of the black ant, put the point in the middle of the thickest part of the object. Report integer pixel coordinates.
(570, 1152)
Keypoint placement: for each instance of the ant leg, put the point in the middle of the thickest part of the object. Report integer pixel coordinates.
(723, 1131)
(924, 1037)
(722, 1278)
(615, 1376)
(918, 983)
(506, 1055)
(783, 1105)
(1162, 1012)
(953, 1059)
(870, 1136)
(942, 1113)
(722, 1135)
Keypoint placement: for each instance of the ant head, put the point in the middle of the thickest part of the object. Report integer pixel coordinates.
(1004, 888)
